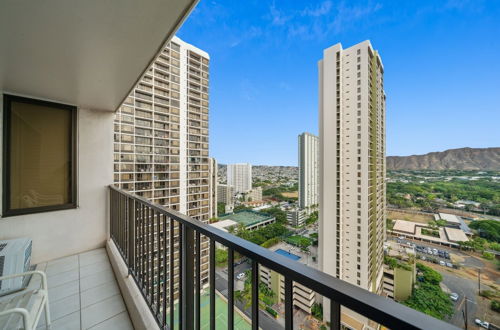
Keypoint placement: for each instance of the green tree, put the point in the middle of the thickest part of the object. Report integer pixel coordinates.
(221, 208)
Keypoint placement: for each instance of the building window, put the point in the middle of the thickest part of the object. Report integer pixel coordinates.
(39, 163)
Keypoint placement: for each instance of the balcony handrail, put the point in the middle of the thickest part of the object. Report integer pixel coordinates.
(376, 308)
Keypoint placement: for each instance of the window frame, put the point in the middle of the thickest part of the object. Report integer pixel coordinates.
(6, 153)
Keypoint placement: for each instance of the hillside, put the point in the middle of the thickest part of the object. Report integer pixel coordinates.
(453, 159)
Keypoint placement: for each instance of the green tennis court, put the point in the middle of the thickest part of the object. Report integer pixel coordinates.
(220, 315)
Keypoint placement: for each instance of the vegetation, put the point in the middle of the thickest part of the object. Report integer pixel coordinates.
(495, 305)
(220, 256)
(312, 218)
(221, 208)
(265, 294)
(428, 232)
(276, 192)
(271, 311)
(300, 241)
(276, 212)
(428, 297)
(317, 311)
(488, 229)
(261, 235)
(430, 194)
(270, 242)
(395, 263)
(488, 255)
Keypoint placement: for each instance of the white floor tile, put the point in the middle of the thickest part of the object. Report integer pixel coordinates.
(73, 258)
(96, 279)
(63, 307)
(61, 267)
(118, 322)
(94, 268)
(102, 311)
(63, 291)
(62, 278)
(99, 293)
(92, 259)
(93, 252)
(68, 322)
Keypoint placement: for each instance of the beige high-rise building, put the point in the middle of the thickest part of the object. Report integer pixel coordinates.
(213, 167)
(225, 194)
(161, 135)
(240, 177)
(352, 167)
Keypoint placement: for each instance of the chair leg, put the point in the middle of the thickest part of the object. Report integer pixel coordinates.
(47, 315)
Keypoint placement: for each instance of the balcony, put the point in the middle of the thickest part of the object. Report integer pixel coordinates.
(145, 234)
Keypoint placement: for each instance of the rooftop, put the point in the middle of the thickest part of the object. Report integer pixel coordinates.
(451, 218)
(247, 218)
(404, 226)
(455, 235)
(224, 224)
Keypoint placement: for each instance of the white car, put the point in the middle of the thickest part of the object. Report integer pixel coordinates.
(454, 296)
(449, 264)
(442, 263)
(485, 325)
(478, 321)
(240, 276)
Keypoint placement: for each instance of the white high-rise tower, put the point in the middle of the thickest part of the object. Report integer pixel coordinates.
(240, 177)
(308, 170)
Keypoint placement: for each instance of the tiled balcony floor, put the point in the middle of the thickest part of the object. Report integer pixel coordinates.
(83, 293)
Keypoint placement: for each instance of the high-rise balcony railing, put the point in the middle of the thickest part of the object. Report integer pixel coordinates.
(146, 234)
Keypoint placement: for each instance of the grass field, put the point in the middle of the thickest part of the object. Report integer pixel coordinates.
(220, 315)
(290, 194)
(421, 218)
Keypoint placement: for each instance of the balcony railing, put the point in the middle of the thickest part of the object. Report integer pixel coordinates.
(146, 234)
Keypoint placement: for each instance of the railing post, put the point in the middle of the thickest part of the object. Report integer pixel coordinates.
(131, 235)
(187, 278)
(334, 315)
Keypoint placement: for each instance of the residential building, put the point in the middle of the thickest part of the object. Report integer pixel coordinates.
(296, 217)
(212, 170)
(254, 195)
(240, 177)
(161, 136)
(352, 167)
(308, 170)
(399, 271)
(225, 194)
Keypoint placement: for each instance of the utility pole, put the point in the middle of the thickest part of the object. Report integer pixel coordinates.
(464, 313)
(479, 280)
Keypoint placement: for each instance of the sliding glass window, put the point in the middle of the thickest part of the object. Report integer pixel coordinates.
(39, 156)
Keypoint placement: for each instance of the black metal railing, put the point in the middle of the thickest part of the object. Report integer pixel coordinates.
(166, 251)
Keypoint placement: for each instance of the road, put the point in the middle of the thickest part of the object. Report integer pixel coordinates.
(265, 320)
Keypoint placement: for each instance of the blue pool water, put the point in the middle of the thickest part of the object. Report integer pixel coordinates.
(287, 254)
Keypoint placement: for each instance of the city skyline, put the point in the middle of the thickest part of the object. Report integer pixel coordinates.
(260, 78)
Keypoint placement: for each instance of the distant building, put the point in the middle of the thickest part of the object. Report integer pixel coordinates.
(303, 298)
(250, 219)
(296, 217)
(225, 194)
(399, 278)
(451, 219)
(308, 170)
(240, 176)
(212, 182)
(254, 195)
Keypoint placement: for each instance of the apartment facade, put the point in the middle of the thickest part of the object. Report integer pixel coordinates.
(352, 169)
(254, 195)
(225, 194)
(213, 186)
(161, 136)
(308, 170)
(296, 217)
(240, 177)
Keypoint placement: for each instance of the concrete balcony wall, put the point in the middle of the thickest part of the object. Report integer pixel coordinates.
(67, 232)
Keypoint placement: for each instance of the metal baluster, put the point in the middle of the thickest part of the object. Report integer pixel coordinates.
(230, 289)
(198, 281)
(334, 315)
(172, 271)
(255, 295)
(212, 284)
(288, 304)
(187, 295)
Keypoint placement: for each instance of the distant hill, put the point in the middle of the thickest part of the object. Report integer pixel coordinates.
(453, 159)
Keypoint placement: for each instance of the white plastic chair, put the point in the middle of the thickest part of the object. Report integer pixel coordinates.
(22, 309)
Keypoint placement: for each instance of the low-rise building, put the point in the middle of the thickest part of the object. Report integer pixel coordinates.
(303, 297)
(399, 271)
(254, 195)
(296, 217)
(250, 219)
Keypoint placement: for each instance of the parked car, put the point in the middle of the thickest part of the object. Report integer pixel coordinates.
(485, 325)
(478, 321)
(442, 263)
(240, 276)
(454, 296)
(449, 264)
(423, 258)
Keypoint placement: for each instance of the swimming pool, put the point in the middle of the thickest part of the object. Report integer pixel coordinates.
(288, 254)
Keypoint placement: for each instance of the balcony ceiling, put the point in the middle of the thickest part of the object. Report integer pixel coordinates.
(86, 53)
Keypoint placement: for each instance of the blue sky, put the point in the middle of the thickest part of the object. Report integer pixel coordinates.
(441, 59)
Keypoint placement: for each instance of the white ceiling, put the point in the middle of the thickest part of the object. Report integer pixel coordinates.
(88, 53)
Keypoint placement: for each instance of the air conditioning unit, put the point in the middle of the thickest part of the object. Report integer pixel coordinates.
(15, 258)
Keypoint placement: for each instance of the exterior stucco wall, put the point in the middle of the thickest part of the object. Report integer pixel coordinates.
(62, 233)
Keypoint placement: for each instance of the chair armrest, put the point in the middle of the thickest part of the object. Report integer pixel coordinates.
(24, 313)
(31, 272)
